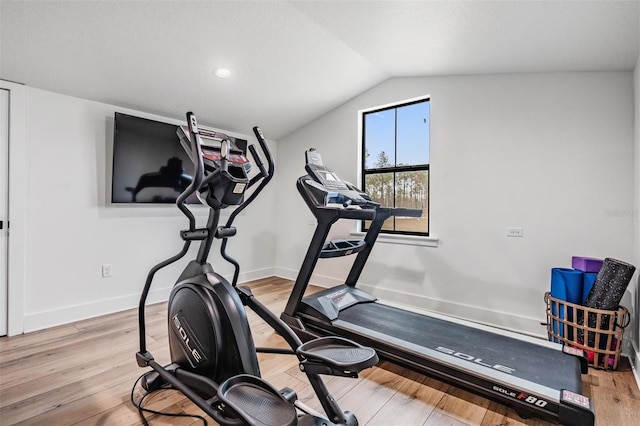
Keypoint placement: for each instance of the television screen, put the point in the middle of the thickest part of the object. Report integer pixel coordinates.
(149, 165)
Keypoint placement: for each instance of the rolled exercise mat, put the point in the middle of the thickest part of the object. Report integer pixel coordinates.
(586, 264)
(588, 279)
(566, 284)
(610, 284)
(606, 294)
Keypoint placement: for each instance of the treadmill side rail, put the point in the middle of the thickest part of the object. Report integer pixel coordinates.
(575, 409)
(578, 353)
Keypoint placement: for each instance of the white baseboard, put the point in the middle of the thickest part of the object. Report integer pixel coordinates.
(68, 314)
(503, 320)
(253, 275)
(319, 280)
(55, 317)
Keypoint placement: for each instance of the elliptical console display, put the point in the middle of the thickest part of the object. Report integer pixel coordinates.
(219, 152)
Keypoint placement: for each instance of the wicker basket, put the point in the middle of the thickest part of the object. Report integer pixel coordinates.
(598, 332)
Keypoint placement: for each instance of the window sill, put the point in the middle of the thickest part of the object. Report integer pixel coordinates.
(410, 240)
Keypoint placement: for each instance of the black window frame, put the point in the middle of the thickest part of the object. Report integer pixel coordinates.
(394, 169)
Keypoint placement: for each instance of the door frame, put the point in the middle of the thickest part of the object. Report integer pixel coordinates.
(17, 215)
(4, 210)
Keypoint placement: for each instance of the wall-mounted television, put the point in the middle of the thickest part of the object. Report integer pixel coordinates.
(149, 165)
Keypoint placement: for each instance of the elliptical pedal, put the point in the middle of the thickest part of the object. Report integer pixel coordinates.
(256, 402)
(336, 356)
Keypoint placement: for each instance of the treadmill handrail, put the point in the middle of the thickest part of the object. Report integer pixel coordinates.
(351, 213)
(404, 212)
(382, 214)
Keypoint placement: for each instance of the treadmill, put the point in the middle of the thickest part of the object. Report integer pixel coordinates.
(540, 379)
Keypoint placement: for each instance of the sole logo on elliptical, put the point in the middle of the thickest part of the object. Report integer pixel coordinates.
(189, 343)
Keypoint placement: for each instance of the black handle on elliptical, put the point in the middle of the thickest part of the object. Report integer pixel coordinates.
(264, 179)
(224, 154)
(259, 163)
(265, 149)
(198, 170)
(143, 357)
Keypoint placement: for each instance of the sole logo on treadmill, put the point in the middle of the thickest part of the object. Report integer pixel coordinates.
(335, 293)
(521, 396)
(475, 360)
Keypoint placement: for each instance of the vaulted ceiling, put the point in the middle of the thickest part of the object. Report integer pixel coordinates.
(292, 61)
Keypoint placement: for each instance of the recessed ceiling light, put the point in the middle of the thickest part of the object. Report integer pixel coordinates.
(223, 72)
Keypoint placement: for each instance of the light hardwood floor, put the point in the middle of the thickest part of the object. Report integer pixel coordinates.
(82, 374)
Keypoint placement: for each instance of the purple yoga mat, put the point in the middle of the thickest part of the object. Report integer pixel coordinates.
(586, 264)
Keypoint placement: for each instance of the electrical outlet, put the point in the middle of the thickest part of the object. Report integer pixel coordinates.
(515, 232)
(107, 270)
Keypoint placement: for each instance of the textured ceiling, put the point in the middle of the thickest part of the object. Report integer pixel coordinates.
(293, 61)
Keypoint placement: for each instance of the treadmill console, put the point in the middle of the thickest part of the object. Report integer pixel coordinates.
(336, 192)
(318, 172)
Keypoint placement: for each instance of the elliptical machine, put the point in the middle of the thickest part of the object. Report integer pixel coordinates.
(213, 356)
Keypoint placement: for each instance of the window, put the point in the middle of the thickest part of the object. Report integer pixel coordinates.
(395, 162)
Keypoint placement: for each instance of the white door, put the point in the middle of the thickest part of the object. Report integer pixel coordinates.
(4, 196)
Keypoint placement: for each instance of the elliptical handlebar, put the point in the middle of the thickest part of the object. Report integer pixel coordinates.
(224, 154)
(264, 177)
(194, 151)
(268, 174)
(204, 175)
(259, 163)
(192, 122)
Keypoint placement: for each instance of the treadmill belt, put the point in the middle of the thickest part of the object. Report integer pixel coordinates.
(532, 362)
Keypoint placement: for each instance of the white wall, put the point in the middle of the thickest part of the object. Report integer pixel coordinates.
(71, 230)
(552, 153)
(549, 152)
